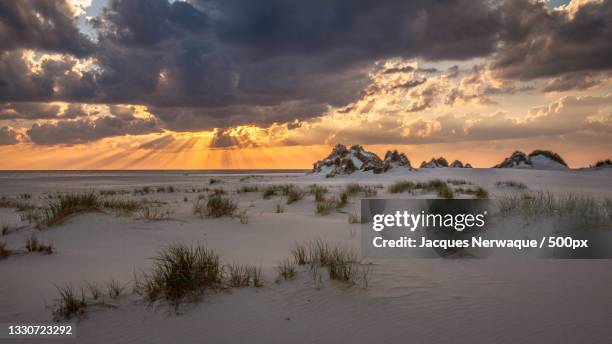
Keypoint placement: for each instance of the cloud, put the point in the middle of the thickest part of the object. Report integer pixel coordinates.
(539, 42)
(9, 111)
(576, 81)
(8, 136)
(82, 131)
(43, 25)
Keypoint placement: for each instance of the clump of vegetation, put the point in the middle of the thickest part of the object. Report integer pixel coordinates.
(327, 205)
(318, 192)
(255, 276)
(602, 163)
(152, 213)
(122, 206)
(401, 186)
(69, 303)
(248, 188)
(477, 192)
(219, 191)
(279, 208)
(114, 289)
(181, 273)
(237, 275)
(33, 245)
(439, 186)
(549, 154)
(286, 269)
(142, 191)
(4, 251)
(243, 216)
(287, 190)
(341, 263)
(94, 291)
(167, 188)
(20, 205)
(579, 209)
(353, 189)
(458, 182)
(294, 195)
(66, 205)
(269, 192)
(214, 181)
(511, 184)
(5, 229)
(215, 206)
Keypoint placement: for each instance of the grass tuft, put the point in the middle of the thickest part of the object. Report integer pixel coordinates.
(181, 273)
(69, 303)
(66, 205)
(511, 184)
(33, 245)
(286, 269)
(215, 206)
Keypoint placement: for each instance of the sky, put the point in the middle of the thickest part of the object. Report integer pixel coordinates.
(241, 84)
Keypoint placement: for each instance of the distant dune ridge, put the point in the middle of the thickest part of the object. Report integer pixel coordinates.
(343, 161)
(538, 159)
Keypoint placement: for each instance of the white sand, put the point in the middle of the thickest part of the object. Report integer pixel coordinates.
(418, 300)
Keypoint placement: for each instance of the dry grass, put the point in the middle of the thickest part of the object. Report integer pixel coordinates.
(34, 245)
(66, 205)
(69, 303)
(4, 251)
(443, 189)
(122, 206)
(511, 184)
(579, 209)
(181, 273)
(215, 206)
(151, 213)
(341, 263)
(286, 269)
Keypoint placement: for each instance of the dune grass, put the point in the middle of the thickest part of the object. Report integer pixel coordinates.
(70, 303)
(580, 209)
(511, 184)
(66, 205)
(238, 275)
(294, 194)
(34, 245)
(18, 204)
(215, 206)
(181, 273)
(248, 188)
(122, 206)
(114, 289)
(477, 192)
(353, 189)
(318, 192)
(342, 264)
(286, 269)
(4, 251)
(152, 213)
(440, 187)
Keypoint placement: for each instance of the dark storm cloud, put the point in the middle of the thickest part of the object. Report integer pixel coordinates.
(573, 81)
(27, 110)
(216, 63)
(542, 43)
(82, 131)
(40, 24)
